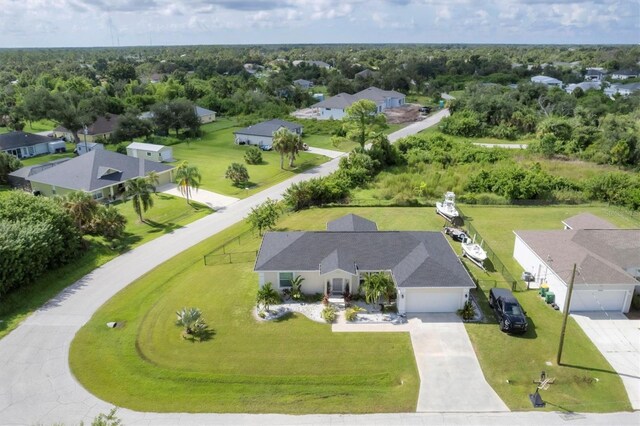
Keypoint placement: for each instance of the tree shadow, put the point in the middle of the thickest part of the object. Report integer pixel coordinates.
(599, 370)
(286, 317)
(489, 266)
(205, 336)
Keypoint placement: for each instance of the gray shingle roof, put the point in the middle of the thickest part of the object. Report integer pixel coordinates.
(339, 101)
(19, 139)
(352, 222)
(344, 100)
(415, 258)
(203, 112)
(268, 128)
(588, 221)
(603, 256)
(27, 171)
(103, 124)
(97, 169)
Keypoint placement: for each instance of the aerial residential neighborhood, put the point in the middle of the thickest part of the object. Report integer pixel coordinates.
(315, 213)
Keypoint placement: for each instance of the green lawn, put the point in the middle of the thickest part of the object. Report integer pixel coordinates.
(324, 141)
(167, 214)
(292, 366)
(35, 127)
(520, 359)
(216, 150)
(49, 157)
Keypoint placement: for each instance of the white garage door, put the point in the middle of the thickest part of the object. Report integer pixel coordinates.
(593, 300)
(433, 300)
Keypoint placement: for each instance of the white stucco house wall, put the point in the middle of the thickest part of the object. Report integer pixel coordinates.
(24, 145)
(428, 275)
(84, 147)
(150, 151)
(607, 259)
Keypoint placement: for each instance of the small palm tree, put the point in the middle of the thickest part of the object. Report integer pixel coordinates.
(82, 208)
(109, 222)
(267, 296)
(187, 177)
(139, 189)
(376, 285)
(296, 287)
(191, 320)
(154, 179)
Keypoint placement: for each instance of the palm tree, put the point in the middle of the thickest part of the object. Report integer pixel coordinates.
(139, 189)
(267, 296)
(154, 179)
(285, 142)
(192, 321)
(82, 208)
(187, 177)
(377, 285)
(109, 222)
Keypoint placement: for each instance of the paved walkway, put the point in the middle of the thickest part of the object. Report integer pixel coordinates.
(214, 200)
(618, 338)
(326, 152)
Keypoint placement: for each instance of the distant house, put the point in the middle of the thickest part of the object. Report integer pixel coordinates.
(20, 178)
(624, 74)
(205, 115)
(319, 64)
(150, 151)
(101, 173)
(547, 81)
(584, 86)
(607, 259)
(84, 147)
(622, 89)
(303, 84)
(252, 68)
(595, 74)
(335, 106)
(366, 73)
(101, 128)
(427, 274)
(261, 134)
(24, 145)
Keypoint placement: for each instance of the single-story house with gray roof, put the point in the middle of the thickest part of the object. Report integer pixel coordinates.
(205, 115)
(303, 84)
(24, 145)
(261, 134)
(101, 128)
(20, 178)
(428, 275)
(607, 259)
(101, 173)
(335, 106)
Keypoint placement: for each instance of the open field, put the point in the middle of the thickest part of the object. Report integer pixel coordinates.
(251, 366)
(168, 213)
(585, 382)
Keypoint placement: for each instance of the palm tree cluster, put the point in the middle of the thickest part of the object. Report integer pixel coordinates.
(93, 218)
(377, 285)
(267, 296)
(192, 322)
(287, 143)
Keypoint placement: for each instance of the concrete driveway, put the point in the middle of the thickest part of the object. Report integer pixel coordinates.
(212, 199)
(618, 338)
(451, 379)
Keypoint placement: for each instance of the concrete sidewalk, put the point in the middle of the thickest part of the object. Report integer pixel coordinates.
(326, 152)
(202, 196)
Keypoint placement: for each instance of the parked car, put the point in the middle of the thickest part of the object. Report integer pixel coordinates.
(509, 312)
(456, 234)
(266, 147)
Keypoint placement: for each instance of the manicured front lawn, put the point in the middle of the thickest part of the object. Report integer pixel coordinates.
(216, 150)
(49, 157)
(585, 382)
(167, 214)
(290, 366)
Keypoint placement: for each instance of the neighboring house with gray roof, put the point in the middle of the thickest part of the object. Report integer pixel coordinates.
(335, 106)
(584, 86)
(319, 64)
(428, 275)
(622, 89)
(607, 259)
(24, 145)
(547, 81)
(101, 173)
(303, 84)
(101, 128)
(261, 134)
(205, 115)
(624, 74)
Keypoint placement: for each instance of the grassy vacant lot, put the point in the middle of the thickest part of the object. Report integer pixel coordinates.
(167, 214)
(216, 150)
(290, 366)
(585, 382)
(35, 127)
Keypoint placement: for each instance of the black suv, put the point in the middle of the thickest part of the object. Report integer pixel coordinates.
(509, 312)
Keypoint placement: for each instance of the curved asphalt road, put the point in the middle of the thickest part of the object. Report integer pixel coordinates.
(36, 384)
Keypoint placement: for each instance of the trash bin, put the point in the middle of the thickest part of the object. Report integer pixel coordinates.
(543, 291)
(550, 297)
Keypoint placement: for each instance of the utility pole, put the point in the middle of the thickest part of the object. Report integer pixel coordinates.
(567, 304)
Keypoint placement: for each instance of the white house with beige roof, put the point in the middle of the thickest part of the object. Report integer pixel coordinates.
(607, 259)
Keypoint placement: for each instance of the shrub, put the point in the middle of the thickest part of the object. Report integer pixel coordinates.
(464, 123)
(468, 311)
(237, 173)
(329, 314)
(351, 314)
(316, 192)
(8, 164)
(253, 155)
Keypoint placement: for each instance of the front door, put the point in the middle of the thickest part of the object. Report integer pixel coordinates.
(336, 286)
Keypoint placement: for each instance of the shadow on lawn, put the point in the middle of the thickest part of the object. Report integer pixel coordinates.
(599, 370)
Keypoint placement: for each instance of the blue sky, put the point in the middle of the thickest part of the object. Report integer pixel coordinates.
(49, 23)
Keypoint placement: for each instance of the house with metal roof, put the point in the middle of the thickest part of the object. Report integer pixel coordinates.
(150, 151)
(261, 134)
(335, 106)
(24, 145)
(101, 173)
(428, 275)
(607, 260)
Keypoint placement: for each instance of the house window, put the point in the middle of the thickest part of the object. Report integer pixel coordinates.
(285, 279)
(148, 154)
(97, 195)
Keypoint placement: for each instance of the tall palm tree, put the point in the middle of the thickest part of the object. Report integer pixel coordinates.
(154, 179)
(82, 208)
(187, 177)
(139, 189)
(286, 143)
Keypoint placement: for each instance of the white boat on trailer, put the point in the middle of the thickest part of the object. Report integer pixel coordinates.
(447, 208)
(474, 252)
